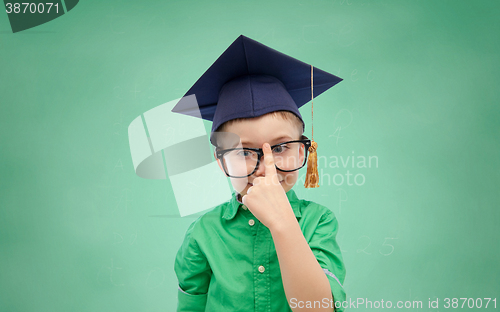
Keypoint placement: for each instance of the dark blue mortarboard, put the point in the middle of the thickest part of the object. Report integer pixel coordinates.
(249, 80)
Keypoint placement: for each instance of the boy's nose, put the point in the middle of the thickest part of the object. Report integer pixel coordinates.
(261, 169)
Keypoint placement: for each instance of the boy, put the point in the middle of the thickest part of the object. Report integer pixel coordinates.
(265, 249)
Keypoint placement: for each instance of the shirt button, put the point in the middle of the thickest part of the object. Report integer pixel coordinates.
(262, 269)
(251, 222)
(244, 207)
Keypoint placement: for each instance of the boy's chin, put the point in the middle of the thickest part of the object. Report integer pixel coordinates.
(242, 190)
(241, 186)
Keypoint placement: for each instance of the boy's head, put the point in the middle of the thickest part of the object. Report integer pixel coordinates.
(274, 128)
(255, 92)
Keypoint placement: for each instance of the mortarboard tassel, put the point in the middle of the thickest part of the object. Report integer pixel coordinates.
(312, 175)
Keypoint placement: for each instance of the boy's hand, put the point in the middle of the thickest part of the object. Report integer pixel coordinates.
(267, 199)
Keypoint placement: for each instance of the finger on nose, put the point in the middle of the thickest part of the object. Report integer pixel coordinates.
(266, 147)
(269, 159)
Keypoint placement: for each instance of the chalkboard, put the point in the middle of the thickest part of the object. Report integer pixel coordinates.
(409, 153)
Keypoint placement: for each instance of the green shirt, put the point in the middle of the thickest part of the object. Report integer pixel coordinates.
(228, 261)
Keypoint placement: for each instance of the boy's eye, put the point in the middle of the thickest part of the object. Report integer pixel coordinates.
(244, 153)
(280, 149)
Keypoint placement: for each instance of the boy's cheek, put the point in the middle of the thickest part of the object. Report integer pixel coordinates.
(289, 180)
(240, 184)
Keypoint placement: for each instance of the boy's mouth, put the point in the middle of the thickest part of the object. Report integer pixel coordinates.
(251, 184)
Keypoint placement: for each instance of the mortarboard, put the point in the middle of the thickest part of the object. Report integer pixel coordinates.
(250, 79)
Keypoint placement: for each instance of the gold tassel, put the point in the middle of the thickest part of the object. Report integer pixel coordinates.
(312, 176)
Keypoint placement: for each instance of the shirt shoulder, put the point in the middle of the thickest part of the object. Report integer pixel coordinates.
(311, 208)
(313, 217)
(209, 220)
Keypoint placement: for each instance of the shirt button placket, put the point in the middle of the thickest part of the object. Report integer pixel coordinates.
(262, 285)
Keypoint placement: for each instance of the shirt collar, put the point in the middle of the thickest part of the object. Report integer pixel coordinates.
(235, 204)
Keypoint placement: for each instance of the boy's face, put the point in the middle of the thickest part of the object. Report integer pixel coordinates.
(253, 133)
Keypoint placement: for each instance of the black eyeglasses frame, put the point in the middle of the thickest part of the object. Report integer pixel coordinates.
(220, 154)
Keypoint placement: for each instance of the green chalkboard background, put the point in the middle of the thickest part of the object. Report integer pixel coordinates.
(80, 231)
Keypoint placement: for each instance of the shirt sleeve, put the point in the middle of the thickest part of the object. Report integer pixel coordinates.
(193, 273)
(326, 250)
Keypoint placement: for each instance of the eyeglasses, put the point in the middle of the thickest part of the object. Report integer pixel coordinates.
(243, 162)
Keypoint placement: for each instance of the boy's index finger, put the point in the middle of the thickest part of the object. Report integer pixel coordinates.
(269, 160)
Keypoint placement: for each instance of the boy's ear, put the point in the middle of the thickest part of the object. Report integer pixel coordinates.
(302, 153)
(218, 160)
(220, 165)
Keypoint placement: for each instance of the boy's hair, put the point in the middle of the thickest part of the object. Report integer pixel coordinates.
(286, 115)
